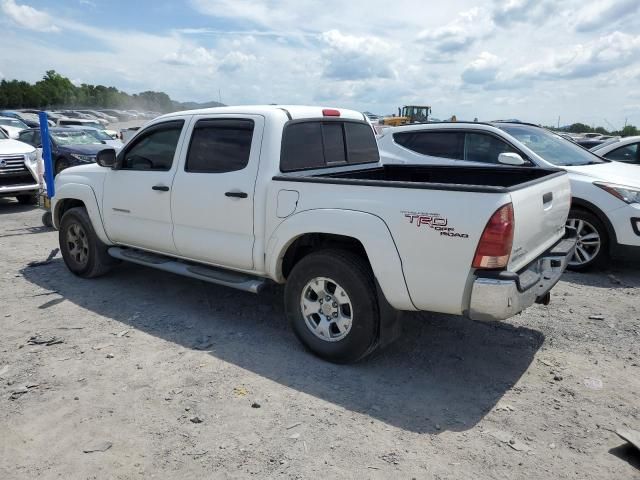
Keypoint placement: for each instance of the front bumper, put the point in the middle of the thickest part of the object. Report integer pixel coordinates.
(501, 295)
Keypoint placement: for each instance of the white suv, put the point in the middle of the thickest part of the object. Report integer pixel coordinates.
(18, 170)
(606, 195)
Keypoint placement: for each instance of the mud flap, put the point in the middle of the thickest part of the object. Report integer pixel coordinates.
(390, 324)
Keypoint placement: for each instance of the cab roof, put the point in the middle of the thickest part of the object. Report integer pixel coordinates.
(293, 112)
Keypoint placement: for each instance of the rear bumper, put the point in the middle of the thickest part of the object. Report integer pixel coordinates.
(501, 295)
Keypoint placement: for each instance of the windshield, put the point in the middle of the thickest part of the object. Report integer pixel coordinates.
(551, 147)
(99, 134)
(75, 137)
(12, 122)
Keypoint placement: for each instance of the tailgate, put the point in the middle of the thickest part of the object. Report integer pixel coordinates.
(540, 210)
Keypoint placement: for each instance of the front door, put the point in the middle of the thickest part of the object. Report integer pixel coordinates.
(137, 194)
(213, 193)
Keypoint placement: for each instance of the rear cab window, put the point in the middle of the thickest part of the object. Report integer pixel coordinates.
(311, 144)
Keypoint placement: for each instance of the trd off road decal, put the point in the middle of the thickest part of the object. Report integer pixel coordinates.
(434, 221)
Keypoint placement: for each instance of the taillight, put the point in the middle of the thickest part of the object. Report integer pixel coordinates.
(494, 248)
(330, 112)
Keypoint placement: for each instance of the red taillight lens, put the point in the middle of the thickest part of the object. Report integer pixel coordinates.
(330, 112)
(495, 244)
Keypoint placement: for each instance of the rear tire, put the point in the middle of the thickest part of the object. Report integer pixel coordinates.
(30, 199)
(340, 325)
(83, 252)
(593, 241)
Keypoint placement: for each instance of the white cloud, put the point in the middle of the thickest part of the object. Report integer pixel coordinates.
(606, 12)
(515, 11)
(605, 54)
(188, 56)
(483, 69)
(350, 57)
(459, 34)
(28, 17)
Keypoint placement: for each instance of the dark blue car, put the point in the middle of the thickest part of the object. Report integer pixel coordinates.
(69, 147)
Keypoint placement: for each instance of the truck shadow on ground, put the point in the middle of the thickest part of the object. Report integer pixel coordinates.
(444, 373)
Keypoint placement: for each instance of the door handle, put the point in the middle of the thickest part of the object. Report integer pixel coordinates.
(162, 188)
(236, 194)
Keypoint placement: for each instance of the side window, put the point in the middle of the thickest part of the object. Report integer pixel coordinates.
(361, 143)
(219, 146)
(435, 144)
(154, 149)
(27, 137)
(480, 147)
(628, 153)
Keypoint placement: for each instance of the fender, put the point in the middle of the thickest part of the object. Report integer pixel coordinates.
(85, 194)
(369, 229)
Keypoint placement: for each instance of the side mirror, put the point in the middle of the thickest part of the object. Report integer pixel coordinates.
(509, 158)
(106, 157)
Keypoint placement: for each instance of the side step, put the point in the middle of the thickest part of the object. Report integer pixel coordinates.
(219, 276)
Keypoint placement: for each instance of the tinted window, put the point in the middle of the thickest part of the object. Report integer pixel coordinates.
(628, 153)
(435, 144)
(302, 147)
(316, 144)
(361, 143)
(333, 137)
(219, 146)
(26, 137)
(3, 135)
(154, 149)
(480, 147)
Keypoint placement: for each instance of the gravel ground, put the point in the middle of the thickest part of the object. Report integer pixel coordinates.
(170, 377)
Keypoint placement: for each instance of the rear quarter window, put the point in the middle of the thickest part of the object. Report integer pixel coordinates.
(433, 143)
(320, 143)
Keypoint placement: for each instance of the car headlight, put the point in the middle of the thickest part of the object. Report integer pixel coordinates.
(84, 158)
(626, 194)
(32, 156)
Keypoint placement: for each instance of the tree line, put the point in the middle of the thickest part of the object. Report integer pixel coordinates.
(57, 91)
(627, 131)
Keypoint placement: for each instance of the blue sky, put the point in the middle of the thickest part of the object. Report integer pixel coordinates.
(528, 59)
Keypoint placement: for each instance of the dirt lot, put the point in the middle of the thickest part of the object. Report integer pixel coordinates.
(145, 354)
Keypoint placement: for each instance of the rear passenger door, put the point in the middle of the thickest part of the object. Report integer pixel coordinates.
(212, 200)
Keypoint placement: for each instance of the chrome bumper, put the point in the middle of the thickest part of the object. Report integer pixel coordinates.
(501, 295)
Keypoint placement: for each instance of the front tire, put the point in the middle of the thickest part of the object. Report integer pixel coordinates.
(593, 241)
(332, 306)
(83, 252)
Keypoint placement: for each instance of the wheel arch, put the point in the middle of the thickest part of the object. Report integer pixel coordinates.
(359, 232)
(77, 195)
(582, 204)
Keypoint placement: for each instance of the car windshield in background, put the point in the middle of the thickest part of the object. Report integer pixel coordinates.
(78, 137)
(12, 122)
(99, 134)
(551, 147)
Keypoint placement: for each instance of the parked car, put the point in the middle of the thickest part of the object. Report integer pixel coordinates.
(18, 170)
(242, 196)
(81, 122)
(625, 150)
(100, 116)
(12, 126)
(69, 147)
(589, 142)
(100, 134)
(606, 195)
(26, 118)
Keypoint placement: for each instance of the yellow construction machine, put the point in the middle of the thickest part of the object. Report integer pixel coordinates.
(408, 114)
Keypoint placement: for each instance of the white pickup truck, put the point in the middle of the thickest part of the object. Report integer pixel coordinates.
(243, 196)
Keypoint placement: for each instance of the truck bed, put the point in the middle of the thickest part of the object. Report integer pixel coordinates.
(498, 179)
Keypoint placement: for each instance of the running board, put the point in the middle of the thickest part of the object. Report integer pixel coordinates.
(219, 276)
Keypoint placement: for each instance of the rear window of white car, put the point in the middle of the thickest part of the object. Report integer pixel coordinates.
(310, 144)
